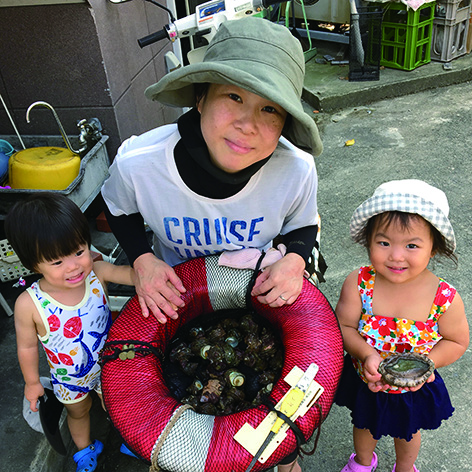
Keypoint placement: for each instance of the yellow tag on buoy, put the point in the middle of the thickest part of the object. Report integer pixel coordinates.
(252, 438)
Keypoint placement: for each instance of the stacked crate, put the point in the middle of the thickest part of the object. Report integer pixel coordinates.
(450, 28)
(406, 36)
(366, 66)
(10, 266)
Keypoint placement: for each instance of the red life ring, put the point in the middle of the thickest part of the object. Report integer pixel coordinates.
(140, 405)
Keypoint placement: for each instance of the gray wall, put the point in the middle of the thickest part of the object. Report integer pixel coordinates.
(85, 61)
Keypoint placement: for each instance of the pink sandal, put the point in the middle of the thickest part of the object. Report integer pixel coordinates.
(414, 468)
(353, 466)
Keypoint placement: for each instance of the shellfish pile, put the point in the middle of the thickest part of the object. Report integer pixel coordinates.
(224, 364)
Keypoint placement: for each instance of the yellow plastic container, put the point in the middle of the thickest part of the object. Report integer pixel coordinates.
(43, 168)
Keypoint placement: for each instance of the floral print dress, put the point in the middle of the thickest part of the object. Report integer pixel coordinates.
(389, 335)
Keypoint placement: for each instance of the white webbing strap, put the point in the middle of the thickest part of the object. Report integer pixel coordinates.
(160, 442)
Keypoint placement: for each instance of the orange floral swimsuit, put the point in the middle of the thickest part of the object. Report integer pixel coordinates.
(388, 335)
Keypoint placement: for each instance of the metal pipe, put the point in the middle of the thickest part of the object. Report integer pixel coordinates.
(63, 133)
(12, 122)
(356, 32)
(5, 305)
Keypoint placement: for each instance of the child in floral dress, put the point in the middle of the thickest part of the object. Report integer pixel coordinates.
(66, 309)
(397, 305)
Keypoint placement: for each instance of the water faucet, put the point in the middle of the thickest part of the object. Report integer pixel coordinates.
(63, 133)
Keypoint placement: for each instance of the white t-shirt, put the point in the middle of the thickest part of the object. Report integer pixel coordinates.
(279, 198)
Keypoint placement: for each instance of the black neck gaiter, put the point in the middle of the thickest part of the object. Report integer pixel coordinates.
(195, 166)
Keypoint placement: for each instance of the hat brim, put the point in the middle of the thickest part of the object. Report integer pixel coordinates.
(177, 89)
(406, 203)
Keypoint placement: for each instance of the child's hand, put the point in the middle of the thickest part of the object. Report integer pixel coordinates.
(378, 386)
(32, 394)
(428, 380)
(371, 372)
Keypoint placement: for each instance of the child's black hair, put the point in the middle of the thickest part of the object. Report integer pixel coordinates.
(440, 246)
(44, 227)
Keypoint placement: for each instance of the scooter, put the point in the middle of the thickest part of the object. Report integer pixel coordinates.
(205, 21)
(208, 17)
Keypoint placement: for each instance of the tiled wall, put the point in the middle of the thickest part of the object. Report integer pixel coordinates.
(85, 61)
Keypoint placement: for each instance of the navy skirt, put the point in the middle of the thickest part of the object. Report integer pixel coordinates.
(398, 415)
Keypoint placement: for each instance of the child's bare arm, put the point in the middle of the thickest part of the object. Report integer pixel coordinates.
(27, 348)
(454, 330)
(106, 272)
(348, 311)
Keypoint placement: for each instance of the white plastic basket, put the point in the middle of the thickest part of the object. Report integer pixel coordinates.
(10, 266)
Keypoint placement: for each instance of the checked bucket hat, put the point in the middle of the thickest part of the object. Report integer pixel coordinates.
(256, 55)
(408, 196)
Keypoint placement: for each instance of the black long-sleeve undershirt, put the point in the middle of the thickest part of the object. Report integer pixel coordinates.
(130, 233)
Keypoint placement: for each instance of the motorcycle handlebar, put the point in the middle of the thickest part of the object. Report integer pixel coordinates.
(153, 38)
(164, 33)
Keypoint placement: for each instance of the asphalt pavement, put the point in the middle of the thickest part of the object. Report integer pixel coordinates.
(415, 124)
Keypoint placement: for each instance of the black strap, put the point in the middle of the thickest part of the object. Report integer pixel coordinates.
(251, 283)
(310, 453)
(301, 440)
(112, 349)
(296, 430)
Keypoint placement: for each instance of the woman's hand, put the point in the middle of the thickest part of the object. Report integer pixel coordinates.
(281, 283)
(158, 287)
(32, 393)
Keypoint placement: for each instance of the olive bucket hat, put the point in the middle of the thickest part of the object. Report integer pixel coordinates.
(408, 196)
(254, 54)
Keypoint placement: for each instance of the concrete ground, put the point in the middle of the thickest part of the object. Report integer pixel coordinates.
(424, 136)
(413, 124)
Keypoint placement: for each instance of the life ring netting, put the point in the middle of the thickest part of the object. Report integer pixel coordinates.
(140, 405)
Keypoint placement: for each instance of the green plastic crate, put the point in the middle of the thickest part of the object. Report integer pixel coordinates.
(406, 36)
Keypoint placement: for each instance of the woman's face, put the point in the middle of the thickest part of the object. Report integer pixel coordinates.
(240, 128)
